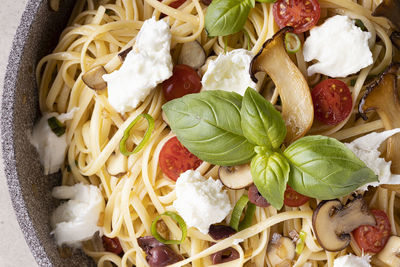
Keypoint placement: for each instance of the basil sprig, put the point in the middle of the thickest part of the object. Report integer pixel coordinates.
(225, 17)
(227, 129)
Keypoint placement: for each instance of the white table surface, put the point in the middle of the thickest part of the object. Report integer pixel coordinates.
(14, 251)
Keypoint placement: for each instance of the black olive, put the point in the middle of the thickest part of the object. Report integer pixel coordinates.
(206, 2)
(256, 198)
(218, 232)
(148, 242)
(225, 255)
(162, 256)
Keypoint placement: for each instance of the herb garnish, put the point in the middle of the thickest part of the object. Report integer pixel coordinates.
(224, 128)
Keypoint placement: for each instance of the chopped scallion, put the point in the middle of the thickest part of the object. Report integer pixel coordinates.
(235, 222)
(292, 42)
(146, 137)
(56, 126)
(301, 242)
(180, 222)
(360, 24)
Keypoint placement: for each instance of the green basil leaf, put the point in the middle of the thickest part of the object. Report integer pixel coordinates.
(208, 125)
(270, 172)
(224, 17)
(324, 168)
(262, 124)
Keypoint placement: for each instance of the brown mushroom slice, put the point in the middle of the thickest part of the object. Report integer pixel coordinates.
(93, 78)
(235, 177)
(382, 96)
(297, 106)
(390, 254)
(333, 222)
(281, 251)
(192, 54)
(389, 9)
(395, 38)
(122, 55)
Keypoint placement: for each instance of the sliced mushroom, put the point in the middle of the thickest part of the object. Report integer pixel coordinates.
(297, 106)
(281, 251)
(122, 55)
(383, 97)
(192, 54)
(93, 78)
(117, 164)
(389, 9)
(235, 177)
(391, 252)
(395, 38)
(333, 222)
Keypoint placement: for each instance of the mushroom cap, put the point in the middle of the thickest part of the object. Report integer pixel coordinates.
(235, 177)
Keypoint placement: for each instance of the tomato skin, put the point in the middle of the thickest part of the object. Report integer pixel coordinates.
(294, 199)
(332, 101)
(112, 245)
(373, 238)
(175, 159)
(183, 81)
(302, 15)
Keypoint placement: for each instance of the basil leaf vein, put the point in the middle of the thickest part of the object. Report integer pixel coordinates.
(324, 168)
(208, 125)
(262, 124)
(224, 17)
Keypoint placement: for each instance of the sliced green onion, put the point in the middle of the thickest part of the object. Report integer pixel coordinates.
(235, 222)
(56, 126)
(301, 242)
(146, 137)
(180, 222)
(360, 24)
(353, 82)
(292, 42)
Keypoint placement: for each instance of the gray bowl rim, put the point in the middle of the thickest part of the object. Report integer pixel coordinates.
(7, 140)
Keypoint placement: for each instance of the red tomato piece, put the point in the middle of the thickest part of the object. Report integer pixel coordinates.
(373, 238)
(302, 15)
(175, 159)
(184, 80)
(332, 101)
(294, 199)
(112, 245)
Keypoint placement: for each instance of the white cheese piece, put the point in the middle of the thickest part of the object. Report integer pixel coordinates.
(76, 220)
(366, 149)
(351, 260)
(51, 148)
(340, 47)
(229, 72)
(200, 202)
(147, 65)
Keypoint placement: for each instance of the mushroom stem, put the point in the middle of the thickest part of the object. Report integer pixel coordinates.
(297, 107)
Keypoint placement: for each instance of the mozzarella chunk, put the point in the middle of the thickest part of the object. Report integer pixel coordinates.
(147, 65)
(50, 147)
(351, 260)
(76, 220)
(340, 47)
(229, 72)
(200, 202)
(366, 149)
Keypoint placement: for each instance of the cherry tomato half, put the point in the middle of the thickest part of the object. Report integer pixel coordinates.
(175, 159)
(294, 199)
(373, 238)
(184, 80)
(332, 101)
(302, 15)
(112, 245)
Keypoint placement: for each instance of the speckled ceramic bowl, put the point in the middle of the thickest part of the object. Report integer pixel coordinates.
(30, 190)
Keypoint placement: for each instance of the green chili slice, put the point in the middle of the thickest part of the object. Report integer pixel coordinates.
(146, 137)
(292, 42)
(180, 222)
(301, 242)
(56, 126)
(235, 222)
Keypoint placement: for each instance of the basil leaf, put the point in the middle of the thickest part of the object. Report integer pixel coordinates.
(208, 125)
(270, 172)
(324, 168)
(224, 17)
(262, 124)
